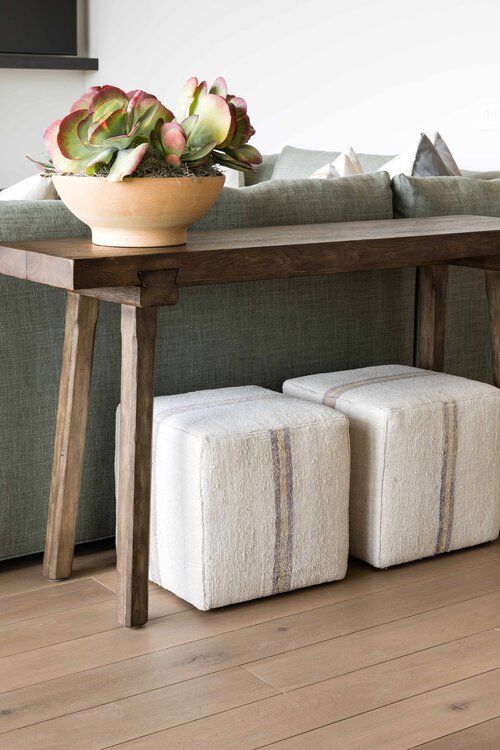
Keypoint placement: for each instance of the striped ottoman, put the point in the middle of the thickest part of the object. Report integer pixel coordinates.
(425, 473)
(250, 495)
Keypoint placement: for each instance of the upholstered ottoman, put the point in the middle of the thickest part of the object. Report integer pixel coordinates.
(425, 452)
(250, 495)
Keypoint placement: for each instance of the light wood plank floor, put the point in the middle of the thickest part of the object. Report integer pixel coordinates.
(385, 660)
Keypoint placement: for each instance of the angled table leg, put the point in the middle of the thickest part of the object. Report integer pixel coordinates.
(134, 483)
(81, 318)
(432, 283)
(492, 279)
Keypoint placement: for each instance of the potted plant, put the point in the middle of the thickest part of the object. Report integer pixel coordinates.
(138, 175)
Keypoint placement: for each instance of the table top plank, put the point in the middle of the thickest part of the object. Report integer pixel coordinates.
(258, 253)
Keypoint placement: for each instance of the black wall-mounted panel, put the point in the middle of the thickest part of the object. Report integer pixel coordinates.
(43, 27)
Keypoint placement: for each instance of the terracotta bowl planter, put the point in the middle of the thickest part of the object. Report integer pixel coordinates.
(140, 211)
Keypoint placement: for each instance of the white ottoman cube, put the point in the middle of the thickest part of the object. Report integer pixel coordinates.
(425, 473)
(250, 495)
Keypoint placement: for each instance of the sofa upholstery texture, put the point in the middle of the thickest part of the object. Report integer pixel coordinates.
(218, 336)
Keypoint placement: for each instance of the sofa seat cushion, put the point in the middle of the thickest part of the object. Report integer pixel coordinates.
(425, 467)
(296, 163)
(250, 494)
(285, 202)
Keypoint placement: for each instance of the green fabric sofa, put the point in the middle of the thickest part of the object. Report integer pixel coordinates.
(261, 333)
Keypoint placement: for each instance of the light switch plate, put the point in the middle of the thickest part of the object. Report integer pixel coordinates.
(490, 117)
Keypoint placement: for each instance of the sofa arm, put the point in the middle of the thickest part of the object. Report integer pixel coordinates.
(38, 220)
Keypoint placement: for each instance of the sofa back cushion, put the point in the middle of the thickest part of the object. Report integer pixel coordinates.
(288, 202)
(38, 220)
(467, 331)
(263, 171)
(295, 163)
(441, 196)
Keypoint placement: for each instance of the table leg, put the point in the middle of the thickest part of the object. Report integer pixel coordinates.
(81, 318)
(134, 494)
(492, 279)
(432, 283)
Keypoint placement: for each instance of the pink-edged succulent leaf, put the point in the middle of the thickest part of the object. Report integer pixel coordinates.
(103, 156)
(155, 139)
(198, 96)
(219, 87)
(246, 154)
(243, 132)
(214, 121)
(238, 103)
(60, 162)
(106, 101)
(85, 100)
(127, 162)
(173, 139)
(147, 109)
(188, 124)
(112, 126)
(69, 137)
(199, 154)
(232, 128)
(45, 166)
(173, 160)
(186, 97)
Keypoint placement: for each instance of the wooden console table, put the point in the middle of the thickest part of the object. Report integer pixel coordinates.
(142, 279)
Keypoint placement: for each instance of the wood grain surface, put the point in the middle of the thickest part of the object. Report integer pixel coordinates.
(258, 253)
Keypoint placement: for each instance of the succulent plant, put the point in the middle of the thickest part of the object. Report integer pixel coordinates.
(107, 126)
(221, 118)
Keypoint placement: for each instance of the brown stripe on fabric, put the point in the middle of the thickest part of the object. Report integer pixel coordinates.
(283, 508)
(448, 475)
(331, 396)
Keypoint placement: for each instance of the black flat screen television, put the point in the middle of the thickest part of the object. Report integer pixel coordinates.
(38, 27)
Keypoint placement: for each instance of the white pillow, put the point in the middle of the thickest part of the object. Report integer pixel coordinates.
(234, 178)
(345, 165)
(444, 152)
(328, 172)
(34, 188)
(422, 160)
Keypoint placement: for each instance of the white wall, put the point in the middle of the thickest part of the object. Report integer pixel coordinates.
(320, 73)
(315, 73)
(29, 101)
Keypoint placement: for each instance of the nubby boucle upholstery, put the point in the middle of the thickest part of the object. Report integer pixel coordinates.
(425, 459)
(250, 495)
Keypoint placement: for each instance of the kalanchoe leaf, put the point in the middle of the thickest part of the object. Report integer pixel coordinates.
(85, 100)
(214, 121)
(200, 93)
(243, 132)
(155, 139)
(60, 162)
(219, 87)
(238, 103)
(228, 161)
(232, 128)
(188, 124)
(186, 97)
(199, 154)
(106, 101)
(148, 109)
(69, 139)
(112, 126)
(173, 140)
(245, 153)
(45, 166)
(100, 157)
(127, 162)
